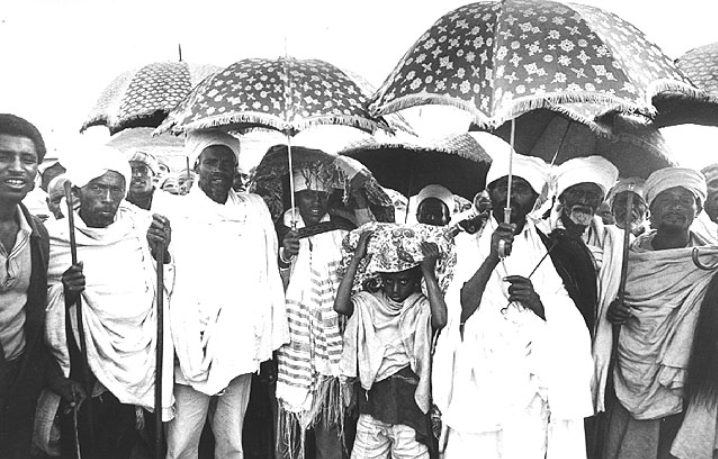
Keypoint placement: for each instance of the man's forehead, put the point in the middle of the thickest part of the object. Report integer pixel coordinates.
(217, 150)
(17, 142)
(108, 178)
(585, 186)
(676, 191)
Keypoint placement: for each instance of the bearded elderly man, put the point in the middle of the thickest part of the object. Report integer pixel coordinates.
(665, 388)
(516, 382)
(581, 184)
(227, 310)
(115, 282)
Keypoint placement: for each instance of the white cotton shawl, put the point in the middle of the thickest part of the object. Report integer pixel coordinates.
(118, 306)
(480, 383)
(228, 311)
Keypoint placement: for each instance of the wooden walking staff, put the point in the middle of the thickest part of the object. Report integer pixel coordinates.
(85, 366)
(159, 296)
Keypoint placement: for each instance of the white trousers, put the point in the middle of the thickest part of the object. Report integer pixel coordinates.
(527, 436)
(226, 416)
(378, 440)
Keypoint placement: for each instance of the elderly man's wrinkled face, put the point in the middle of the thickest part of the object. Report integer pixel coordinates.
(711, 205)
(100, 199)
(674, 210)
(141, 178)
(580, 202)
(523, 198)
(434, 212)
(639, 209)
(18, 167)
(216, 167)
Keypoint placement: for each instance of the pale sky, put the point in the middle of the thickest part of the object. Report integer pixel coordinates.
(58, 55)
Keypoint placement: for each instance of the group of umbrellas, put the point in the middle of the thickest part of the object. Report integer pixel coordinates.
(554, 80)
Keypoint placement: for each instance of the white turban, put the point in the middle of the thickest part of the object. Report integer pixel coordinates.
(589, 169)
(200, 139)
(534, 170)
(672, 177)
(90, 161)
(634, 184)
(437, 192)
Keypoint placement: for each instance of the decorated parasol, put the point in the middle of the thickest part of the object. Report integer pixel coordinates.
(143, 96)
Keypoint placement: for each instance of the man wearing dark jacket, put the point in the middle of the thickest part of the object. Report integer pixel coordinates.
(25, 366)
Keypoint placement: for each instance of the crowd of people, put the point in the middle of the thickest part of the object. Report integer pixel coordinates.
(569, 313)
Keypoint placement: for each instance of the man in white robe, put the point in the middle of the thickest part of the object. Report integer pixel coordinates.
(228, 311)
(115, 281)
(516, 382)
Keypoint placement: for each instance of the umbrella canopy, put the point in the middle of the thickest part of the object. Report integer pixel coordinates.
(142, 97)
(457, 162)
(701, 66)
(631, 143)
(286, 94)
(498, 60)
(271, 181)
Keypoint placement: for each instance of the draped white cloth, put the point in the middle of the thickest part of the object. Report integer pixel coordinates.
(665, 290)
(492, 377)
(228, 311)
(118, 306)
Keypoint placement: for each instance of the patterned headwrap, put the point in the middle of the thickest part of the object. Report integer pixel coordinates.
(710, 172)
(148, 159)
(635, 184)
(318, 176)
(672, 177)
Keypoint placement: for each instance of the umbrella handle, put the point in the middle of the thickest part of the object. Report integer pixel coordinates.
(507, 209)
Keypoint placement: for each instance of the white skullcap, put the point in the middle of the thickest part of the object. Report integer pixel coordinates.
(90, 161)
(589, 169)
(200, 139)
(534, 170)
(635, 184)
(437, 192)
(672, 177)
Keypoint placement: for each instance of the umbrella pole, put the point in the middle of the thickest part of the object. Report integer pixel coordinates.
(159, 350)
(292, 200)
(85, 367)
(507, 209)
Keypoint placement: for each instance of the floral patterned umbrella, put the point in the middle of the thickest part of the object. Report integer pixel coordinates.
(286, 94)
(701, 66)
(142, 97)
(632, 143)
(500, 59)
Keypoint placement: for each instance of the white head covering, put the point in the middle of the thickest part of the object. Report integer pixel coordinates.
(635, 184)
(671, 177)
(590, 169)
(146, 158)
(534, 170)
(90, 161)
(438, 192)
(200, 139)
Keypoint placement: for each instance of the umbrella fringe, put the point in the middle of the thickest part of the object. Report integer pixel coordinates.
(426, 98)
(658, 87)
(551, 101)
(265, 121)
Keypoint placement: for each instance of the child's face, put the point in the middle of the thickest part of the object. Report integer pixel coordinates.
(398, 286)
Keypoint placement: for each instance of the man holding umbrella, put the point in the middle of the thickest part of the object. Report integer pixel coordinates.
(227, 312)
(512, 369)
(114, 285)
